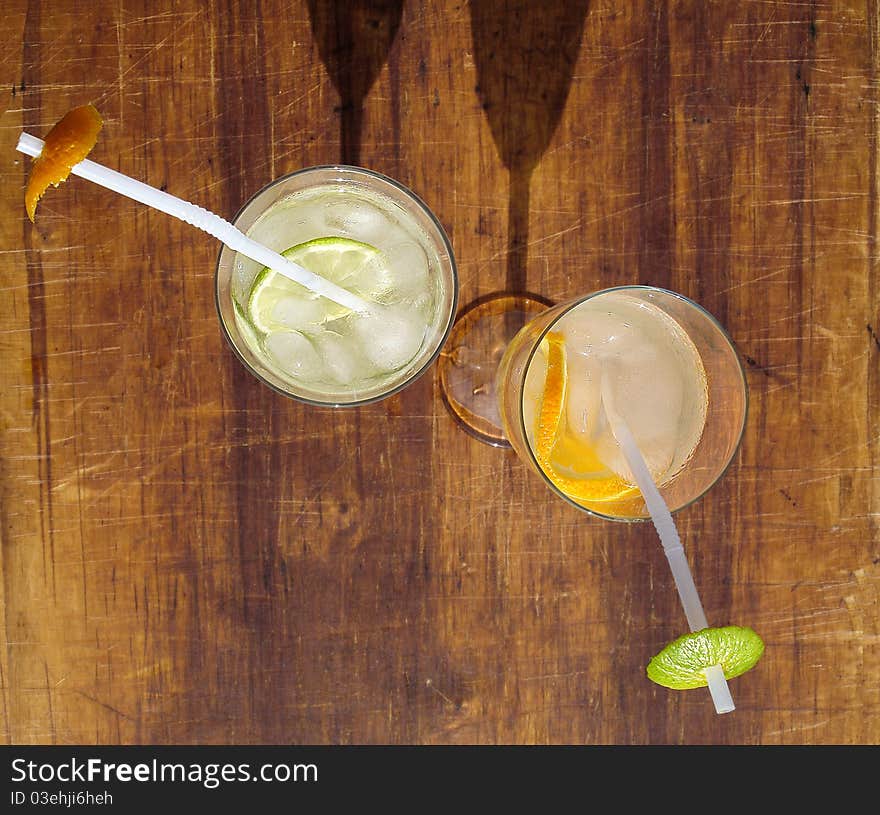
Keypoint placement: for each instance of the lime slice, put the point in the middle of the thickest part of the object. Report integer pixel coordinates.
(682, 663)
(336, 259)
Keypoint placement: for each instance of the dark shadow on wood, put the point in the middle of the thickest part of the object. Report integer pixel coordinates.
(525, 54)
(354, 38)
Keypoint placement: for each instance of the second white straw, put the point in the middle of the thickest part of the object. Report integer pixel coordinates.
(669, 538)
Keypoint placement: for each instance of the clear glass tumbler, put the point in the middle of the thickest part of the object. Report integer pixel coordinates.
(652, 336)
(347, 213)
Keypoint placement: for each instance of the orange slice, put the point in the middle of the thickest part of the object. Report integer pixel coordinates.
(557, 451)
(67, 143)
(599, 487)
(552, 400)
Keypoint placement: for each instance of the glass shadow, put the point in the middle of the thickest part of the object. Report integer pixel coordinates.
(354, 38)
(525, 54)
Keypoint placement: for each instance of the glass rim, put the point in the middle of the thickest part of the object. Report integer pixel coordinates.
(566, 308)
(446, 244)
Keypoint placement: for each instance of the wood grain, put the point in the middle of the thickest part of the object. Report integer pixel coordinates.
(189, 558)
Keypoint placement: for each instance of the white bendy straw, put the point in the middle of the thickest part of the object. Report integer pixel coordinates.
(666, 529)
(202, 219)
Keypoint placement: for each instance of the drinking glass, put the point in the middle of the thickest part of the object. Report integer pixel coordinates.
(674, 375)
(399, 258)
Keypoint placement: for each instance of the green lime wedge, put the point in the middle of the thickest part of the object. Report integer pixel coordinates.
(334, 258)
(681, 664)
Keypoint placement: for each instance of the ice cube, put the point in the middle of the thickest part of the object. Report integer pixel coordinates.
(288, 224)
(294, 354)
(584, 399)
(596, 330)
(648, 393)
(390, 336)
(372, 280)
(361, 221)
(399, 274)
(343, 362)
(407, 270)
(298, 313)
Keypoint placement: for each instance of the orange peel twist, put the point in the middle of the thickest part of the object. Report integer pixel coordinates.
(66, 145)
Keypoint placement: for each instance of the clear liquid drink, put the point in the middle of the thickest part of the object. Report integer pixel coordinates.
(367, 234)
(674, 378)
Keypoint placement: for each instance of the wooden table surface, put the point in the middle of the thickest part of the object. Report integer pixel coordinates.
(188, 557)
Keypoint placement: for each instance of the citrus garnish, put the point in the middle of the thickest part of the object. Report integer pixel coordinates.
(552, 400)
(682, 663)
(560, 454)
(66, 144)
(334, 258)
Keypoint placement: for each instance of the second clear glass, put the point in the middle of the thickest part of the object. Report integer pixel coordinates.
(726, 393)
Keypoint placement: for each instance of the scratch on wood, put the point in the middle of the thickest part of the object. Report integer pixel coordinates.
(120, 49)
(800, 727)
(104, 705)
(429, 684)
(49, 699)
